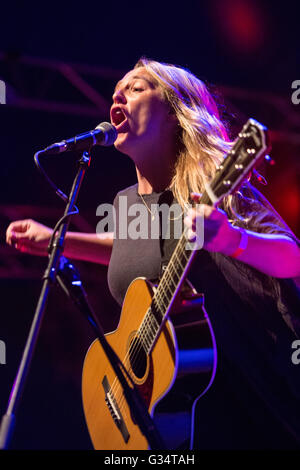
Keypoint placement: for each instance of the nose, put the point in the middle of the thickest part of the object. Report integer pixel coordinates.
(119, 97)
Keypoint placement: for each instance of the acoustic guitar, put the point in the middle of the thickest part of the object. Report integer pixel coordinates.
(164, 337)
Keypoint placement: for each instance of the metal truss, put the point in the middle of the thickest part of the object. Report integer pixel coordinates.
(43, 84)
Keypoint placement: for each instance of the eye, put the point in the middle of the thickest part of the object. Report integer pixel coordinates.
(137, 88)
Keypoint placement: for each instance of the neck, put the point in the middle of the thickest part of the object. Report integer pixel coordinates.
(144, 186)
(155, 172)
(151, 181)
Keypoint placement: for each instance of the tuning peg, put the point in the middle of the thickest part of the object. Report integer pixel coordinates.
(244, 135)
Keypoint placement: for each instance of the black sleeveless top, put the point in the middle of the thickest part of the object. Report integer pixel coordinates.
(135, 257)
(255, 400)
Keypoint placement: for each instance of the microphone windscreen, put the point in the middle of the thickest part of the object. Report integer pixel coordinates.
(110, 133)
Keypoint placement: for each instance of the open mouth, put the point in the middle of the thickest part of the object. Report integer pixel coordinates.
(117, 116)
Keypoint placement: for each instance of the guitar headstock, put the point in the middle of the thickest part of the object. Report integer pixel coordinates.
(249, 148)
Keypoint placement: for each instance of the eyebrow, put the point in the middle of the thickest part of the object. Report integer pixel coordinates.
(134, 78)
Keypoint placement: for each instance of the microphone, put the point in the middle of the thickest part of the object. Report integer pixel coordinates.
(105, 134)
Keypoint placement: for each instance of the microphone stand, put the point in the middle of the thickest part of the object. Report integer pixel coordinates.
(69, 279)
(131, 394)
(8, 419)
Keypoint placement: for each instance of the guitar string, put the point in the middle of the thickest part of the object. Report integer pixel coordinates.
(173, 267)
(116, 387)
(159, 296)
(147, 321)
(146, 324)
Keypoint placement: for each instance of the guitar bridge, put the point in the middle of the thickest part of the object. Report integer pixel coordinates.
(114, 410)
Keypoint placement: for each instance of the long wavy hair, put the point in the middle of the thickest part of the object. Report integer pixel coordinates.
(203, 143)
(202, 137)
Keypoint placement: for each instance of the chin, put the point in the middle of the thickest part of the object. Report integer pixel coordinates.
(122, 144)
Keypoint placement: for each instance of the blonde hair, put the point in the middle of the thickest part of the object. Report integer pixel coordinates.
(203, 143)
(202, 138)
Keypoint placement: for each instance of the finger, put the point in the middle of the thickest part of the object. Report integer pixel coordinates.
(10, 236)
(19, 226)
(188, 221)
(202, 210)
(14, 227)
(15, 239)
(192, 213)
(191, 236)
(20, 237)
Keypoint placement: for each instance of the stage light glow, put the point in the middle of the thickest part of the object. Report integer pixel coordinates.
(242, 23)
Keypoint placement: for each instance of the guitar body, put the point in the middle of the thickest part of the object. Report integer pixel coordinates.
(179, 368)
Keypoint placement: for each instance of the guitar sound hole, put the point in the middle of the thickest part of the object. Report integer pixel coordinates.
(138, 358)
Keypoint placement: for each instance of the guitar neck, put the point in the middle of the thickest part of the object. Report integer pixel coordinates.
(168, 288)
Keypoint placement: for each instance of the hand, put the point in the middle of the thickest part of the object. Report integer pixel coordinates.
(29, 236)
(210, 229)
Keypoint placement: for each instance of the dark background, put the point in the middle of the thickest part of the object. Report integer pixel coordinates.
(247, 50)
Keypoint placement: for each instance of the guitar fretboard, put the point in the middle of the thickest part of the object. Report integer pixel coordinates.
(167, 289)
(165, 294)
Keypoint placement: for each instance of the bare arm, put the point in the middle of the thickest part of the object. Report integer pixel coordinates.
(31, 237)
(273, 254)
(89, 246)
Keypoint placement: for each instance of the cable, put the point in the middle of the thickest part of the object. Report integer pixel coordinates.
(59, 193)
